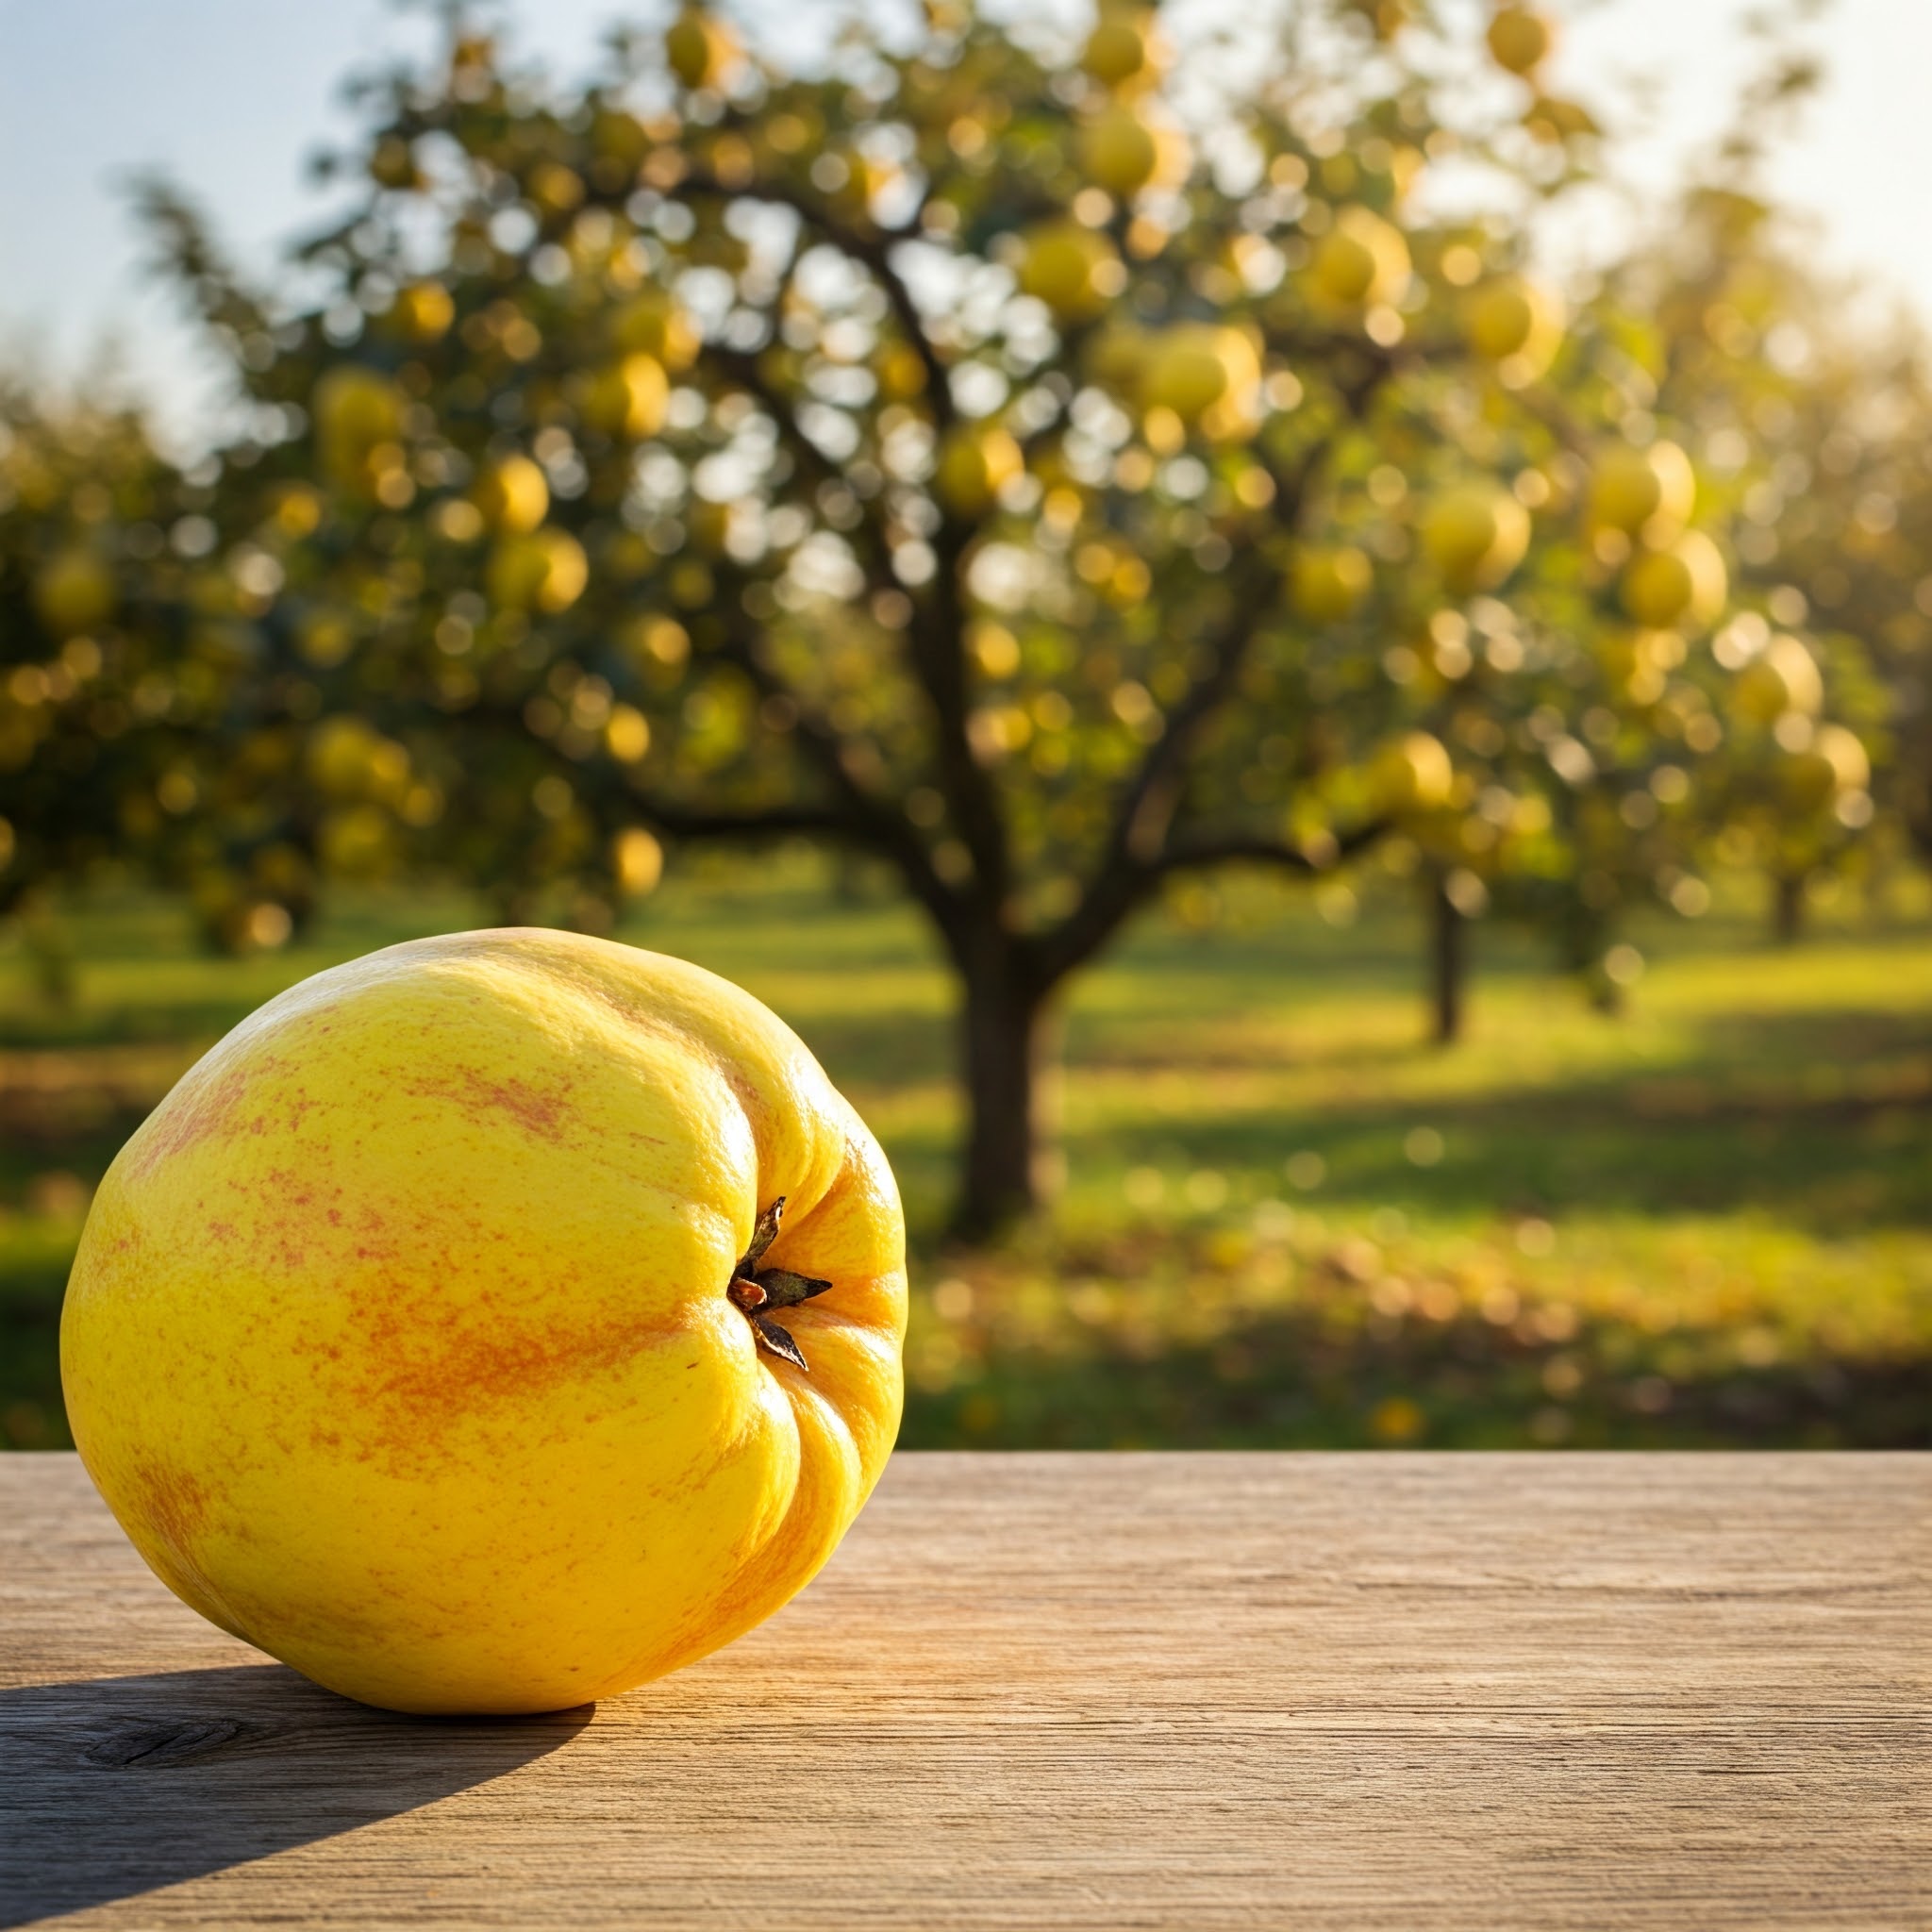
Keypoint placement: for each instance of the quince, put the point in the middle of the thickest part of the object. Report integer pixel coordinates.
(1476, 534)
(1683, 586)
(1125, 51)
(1834, 762)
(626, 399)
(512, 495)
(976, 463)
(356, 411)
(1516, 322)
(1123, 152)
(74, 591)
(1520, 39)
(1070, 268)
(1412, 774)
(1783, 677)
(1328, 586)
(491, 1323)
(1362, 260)
(699, 48)
(544, 571)
(1652, 489)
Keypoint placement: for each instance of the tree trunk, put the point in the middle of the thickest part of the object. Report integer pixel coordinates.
(1003, 1029)
(1787, 908)
(1448, 962)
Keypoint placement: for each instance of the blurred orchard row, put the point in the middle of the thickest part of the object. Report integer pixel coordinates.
(1046, 465)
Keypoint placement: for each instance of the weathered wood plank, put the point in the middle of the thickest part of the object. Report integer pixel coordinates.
(1197, 1691)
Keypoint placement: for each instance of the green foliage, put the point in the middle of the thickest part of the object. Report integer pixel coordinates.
(849, 533)
(87, 720)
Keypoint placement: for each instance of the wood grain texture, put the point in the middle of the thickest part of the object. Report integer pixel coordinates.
(1197, 1691)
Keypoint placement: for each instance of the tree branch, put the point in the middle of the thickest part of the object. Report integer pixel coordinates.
(873, 821)
(741, 367)
(871, 248)
(935, 637)
(1199, 854)
(1139, 832)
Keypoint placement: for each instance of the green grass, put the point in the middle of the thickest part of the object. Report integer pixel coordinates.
(1286, 1220)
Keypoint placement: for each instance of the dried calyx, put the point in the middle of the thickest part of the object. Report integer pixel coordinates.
(756, 1292)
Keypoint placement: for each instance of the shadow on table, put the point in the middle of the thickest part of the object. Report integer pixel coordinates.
(117, 1786)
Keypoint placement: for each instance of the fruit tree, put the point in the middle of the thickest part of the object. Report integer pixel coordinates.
(1044, 467)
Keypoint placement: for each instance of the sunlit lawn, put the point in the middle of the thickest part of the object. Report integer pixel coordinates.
(1287, 1221)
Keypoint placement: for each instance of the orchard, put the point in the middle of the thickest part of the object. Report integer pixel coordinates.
(1051, 466)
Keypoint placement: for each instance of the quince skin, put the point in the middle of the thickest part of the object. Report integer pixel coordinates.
(491, 1323)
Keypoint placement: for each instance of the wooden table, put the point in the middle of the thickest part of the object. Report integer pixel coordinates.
(1405, 1691)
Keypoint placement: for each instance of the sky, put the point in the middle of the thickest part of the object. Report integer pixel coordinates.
(229, 96)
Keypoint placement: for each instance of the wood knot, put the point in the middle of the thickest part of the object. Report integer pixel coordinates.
(172, 1740)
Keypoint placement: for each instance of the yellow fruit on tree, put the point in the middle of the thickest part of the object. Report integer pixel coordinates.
(1069, 267)
(1684, 586)
(699, 48)
(1833, 763)
(555, 189)
(424, 310)
(1328, 586)
(637, 861)
(1361, 260)
(512, 494)
(976, 462)
(355, 410)
(1412, 774)
(1197, 367)
(75, 591)
(1782, 678)
(1124, 152)
(325, 639)
(491, 1323)
(356, 841)
(389, 771)
(1515, 320)
(1651, 490)
(1846, 755)
(1639, 659)
(1123, 50)
(653, 323)
(618, 135)
(297, 510)
(626, 734)
(626, 399)
(1474, 534)
(1521, 39)
(901, 370)
(347, 759)
(545, 570)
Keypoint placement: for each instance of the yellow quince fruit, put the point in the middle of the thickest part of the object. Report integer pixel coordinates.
(491, 1323)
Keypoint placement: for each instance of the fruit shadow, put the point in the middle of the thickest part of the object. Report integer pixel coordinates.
(114, 1788)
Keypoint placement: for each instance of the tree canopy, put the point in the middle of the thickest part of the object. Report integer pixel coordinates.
(1045, 466)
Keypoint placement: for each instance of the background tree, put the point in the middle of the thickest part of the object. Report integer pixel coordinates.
(1040, 471)
(1807, 405)
(101, 681)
